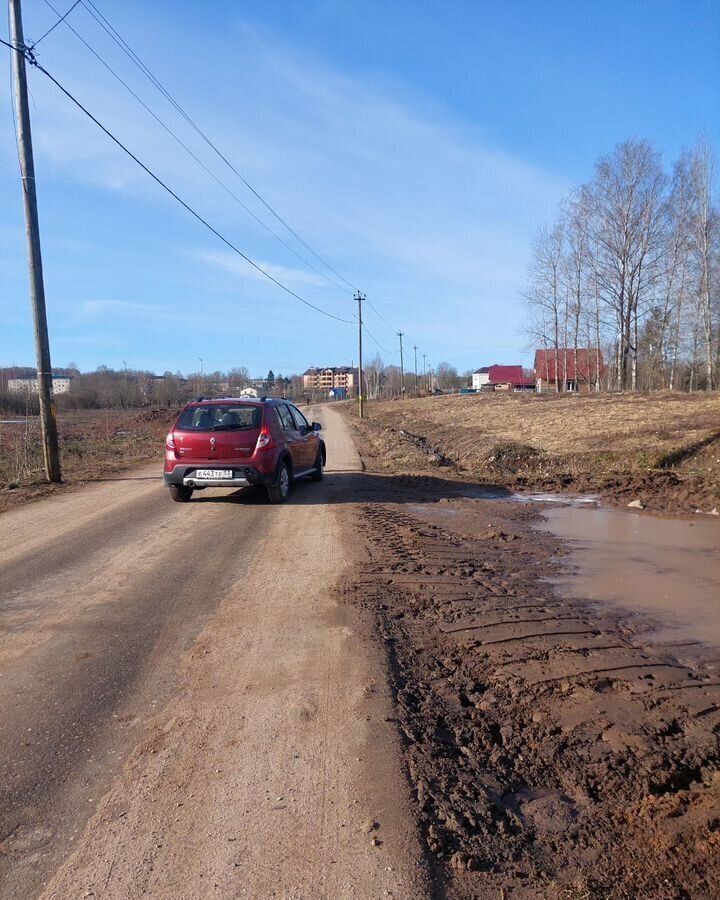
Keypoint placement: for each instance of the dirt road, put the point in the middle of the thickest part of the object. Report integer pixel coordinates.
(375, 690)
(187, 710)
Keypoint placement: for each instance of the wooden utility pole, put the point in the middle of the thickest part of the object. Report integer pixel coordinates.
(416, 384)
(402, 368)
(359, 298)
(48, 423)
(424, 372)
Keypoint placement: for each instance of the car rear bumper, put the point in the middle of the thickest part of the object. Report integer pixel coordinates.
(242, 476)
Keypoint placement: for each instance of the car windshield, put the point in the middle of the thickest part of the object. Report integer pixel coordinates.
(219, 417)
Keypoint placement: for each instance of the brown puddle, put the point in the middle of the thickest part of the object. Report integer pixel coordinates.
(669, 568)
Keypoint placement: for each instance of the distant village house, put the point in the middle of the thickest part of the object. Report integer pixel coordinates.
(502, 378)
(569, 369)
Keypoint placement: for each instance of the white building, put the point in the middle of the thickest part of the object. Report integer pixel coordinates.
(29, 385)
(480, 378)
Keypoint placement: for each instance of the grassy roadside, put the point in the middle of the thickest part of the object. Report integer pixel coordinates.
(94, 444)
(662, 449)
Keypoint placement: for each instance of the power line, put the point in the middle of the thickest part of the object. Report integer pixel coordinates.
(379, 321)
(359, 297)
(375, 341)
(12, 105)
(48, 420)
(193, 155)
(31, 59)
(61, 19)
(127, 49)
(381, 317)
(120, 41)
(401, 335)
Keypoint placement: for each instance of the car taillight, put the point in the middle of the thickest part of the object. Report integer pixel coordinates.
(170, 441)
(264, 438)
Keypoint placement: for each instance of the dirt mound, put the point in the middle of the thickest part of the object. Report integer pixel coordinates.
(511, 457)
(156, 415)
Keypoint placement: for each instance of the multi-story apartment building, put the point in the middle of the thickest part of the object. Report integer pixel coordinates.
(316, 380)
(29, 384)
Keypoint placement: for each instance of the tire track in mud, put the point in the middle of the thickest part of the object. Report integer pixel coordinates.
(553, 749)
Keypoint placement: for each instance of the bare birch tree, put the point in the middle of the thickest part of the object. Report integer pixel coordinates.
(633, 264)
(546, 294)
(704, 236)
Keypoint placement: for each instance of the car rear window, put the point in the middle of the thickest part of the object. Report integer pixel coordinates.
(220, 417)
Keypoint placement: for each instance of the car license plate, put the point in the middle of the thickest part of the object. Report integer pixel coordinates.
(213, 474)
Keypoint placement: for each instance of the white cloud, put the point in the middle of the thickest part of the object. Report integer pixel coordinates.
(431, 219)
(235, 265)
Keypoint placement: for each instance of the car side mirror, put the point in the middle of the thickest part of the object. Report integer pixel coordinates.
(316, 426)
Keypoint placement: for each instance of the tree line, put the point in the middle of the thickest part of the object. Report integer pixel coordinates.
(107, 388)
(385, 381)
(631, 268)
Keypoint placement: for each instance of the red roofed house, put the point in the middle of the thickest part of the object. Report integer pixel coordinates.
(502, 378)
(568, 369)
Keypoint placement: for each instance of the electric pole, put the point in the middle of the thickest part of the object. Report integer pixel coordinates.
(402, 369)
(202, 377)
(48, 422)
(359, 297)
(424, 372)
(416, 384)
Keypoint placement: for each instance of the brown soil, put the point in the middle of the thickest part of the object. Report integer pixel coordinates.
(94, 444)
(663, 449)
(554, 750)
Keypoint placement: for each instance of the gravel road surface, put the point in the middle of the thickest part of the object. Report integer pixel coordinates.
(188, 710)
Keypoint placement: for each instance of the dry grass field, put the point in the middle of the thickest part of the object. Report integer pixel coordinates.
(661, 448)
(93, 443)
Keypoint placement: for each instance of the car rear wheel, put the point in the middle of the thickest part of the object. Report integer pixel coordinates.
(317, 475)
(280, 490)
(180, 493)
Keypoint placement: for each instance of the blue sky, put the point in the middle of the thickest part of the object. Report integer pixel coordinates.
(416, 145)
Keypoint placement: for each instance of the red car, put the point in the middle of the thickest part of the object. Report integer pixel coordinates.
(236, 443)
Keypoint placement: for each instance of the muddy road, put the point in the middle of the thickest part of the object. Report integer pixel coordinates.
(557, 746)
(187, 710)
(391, 686)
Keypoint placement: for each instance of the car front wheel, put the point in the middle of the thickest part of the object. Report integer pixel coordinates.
(280, 490)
